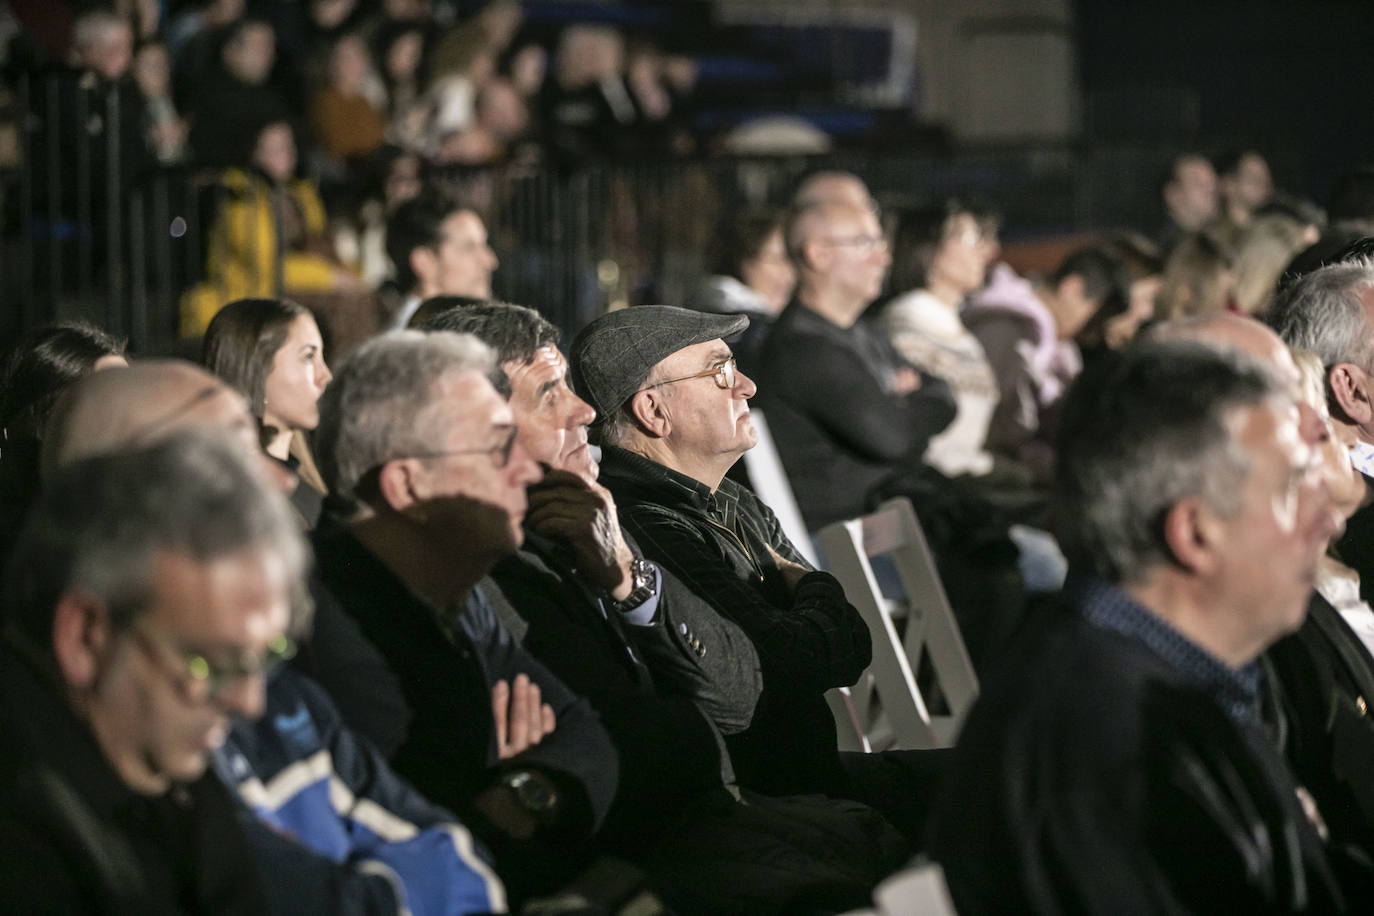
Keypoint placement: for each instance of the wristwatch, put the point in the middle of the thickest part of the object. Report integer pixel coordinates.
(534, 793)
(644, 576)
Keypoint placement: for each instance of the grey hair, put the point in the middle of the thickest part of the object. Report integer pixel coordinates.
(381, 403)
(1322, 312)
(615, 429)
(101, 522)
(1140, 435)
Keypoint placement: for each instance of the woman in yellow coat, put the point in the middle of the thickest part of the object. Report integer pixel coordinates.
(268, 236)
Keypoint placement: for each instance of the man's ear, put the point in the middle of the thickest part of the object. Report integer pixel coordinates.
(422, 262)
(650, 410)
(396, 483)
(1071, 286)
(1349, 386)
(816, 255)
(80, 636)
(1192, 531)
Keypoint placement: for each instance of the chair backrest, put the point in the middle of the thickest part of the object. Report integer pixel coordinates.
(769, 480)
(916, 891)
(887, 699)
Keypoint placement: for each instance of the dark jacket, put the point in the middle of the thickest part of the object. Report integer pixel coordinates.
(709, 847)
(1356, 546)
(717, 544)
(1326, 678)
(333, 828)
(1094, 775)
(75, 839)
(440, 678)
(841, 432)
(670, 752)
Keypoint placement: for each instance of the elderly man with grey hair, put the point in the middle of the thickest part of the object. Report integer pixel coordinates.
(347, 835)
(427, 492)
(147, 597)
(1330, 311)
(1324, 670)
(1115, 760)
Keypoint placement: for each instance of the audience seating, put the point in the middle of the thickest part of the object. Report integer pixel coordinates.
(901, 716)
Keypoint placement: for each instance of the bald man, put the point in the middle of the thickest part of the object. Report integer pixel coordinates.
(1324, 672)
(833, 187)
(851, 419)
(143, 403)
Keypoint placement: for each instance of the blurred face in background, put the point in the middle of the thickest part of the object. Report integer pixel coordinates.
(350, 64)
(770, 272)
(275, 152)
(961, 261)
(251, 53)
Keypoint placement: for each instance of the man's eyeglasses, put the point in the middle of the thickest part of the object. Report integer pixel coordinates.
(500, 452)
(724, 375)
(199, 677)
(866, 244)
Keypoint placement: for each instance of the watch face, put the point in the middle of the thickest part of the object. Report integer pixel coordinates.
(532, 792)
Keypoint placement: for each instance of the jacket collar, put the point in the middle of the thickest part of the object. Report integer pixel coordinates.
(671, 488)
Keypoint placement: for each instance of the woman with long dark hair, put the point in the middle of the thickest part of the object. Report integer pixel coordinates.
(42, 365)
(270, 350)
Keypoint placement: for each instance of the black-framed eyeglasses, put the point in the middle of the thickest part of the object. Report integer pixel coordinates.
(866, 244)
(499, 453)
(724, 375)
(201, 678)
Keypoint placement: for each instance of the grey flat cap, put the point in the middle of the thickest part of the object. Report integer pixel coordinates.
(612, 356)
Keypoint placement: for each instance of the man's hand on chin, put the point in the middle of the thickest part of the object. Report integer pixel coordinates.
(577, 510)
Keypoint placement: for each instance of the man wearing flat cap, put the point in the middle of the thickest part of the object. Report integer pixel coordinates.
(672, 417)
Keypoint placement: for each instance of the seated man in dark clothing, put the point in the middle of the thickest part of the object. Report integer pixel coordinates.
(1116, 760)
(330, 826)
(677, 418)
(852, 420)
(1323, 672)
(427, 491)
(665, 671)
(145, 597)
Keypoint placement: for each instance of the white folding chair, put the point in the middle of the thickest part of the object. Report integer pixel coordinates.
(888, 701)
(917, 891)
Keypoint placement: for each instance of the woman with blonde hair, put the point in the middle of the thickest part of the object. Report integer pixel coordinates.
(1198, 279)
(1263, 250)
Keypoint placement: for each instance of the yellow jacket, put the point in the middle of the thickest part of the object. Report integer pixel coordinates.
(241, 250)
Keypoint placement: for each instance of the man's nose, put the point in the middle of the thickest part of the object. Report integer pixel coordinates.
(245, 697)
(581, 414)
(744, 385)
(1311, 426)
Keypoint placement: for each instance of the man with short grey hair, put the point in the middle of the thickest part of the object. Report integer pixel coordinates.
(1115, 757)
(1330, 311)
(311, 855)
(147, 597)
(427, 492)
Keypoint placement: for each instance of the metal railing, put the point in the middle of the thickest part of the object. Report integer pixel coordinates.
(85, 238)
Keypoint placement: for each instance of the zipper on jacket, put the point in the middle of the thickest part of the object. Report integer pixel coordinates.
(742, 546)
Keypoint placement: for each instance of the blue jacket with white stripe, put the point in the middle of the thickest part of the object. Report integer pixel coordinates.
(333, 829)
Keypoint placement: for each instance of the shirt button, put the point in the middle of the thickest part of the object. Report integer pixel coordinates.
(682, 628)
(1361, 705)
